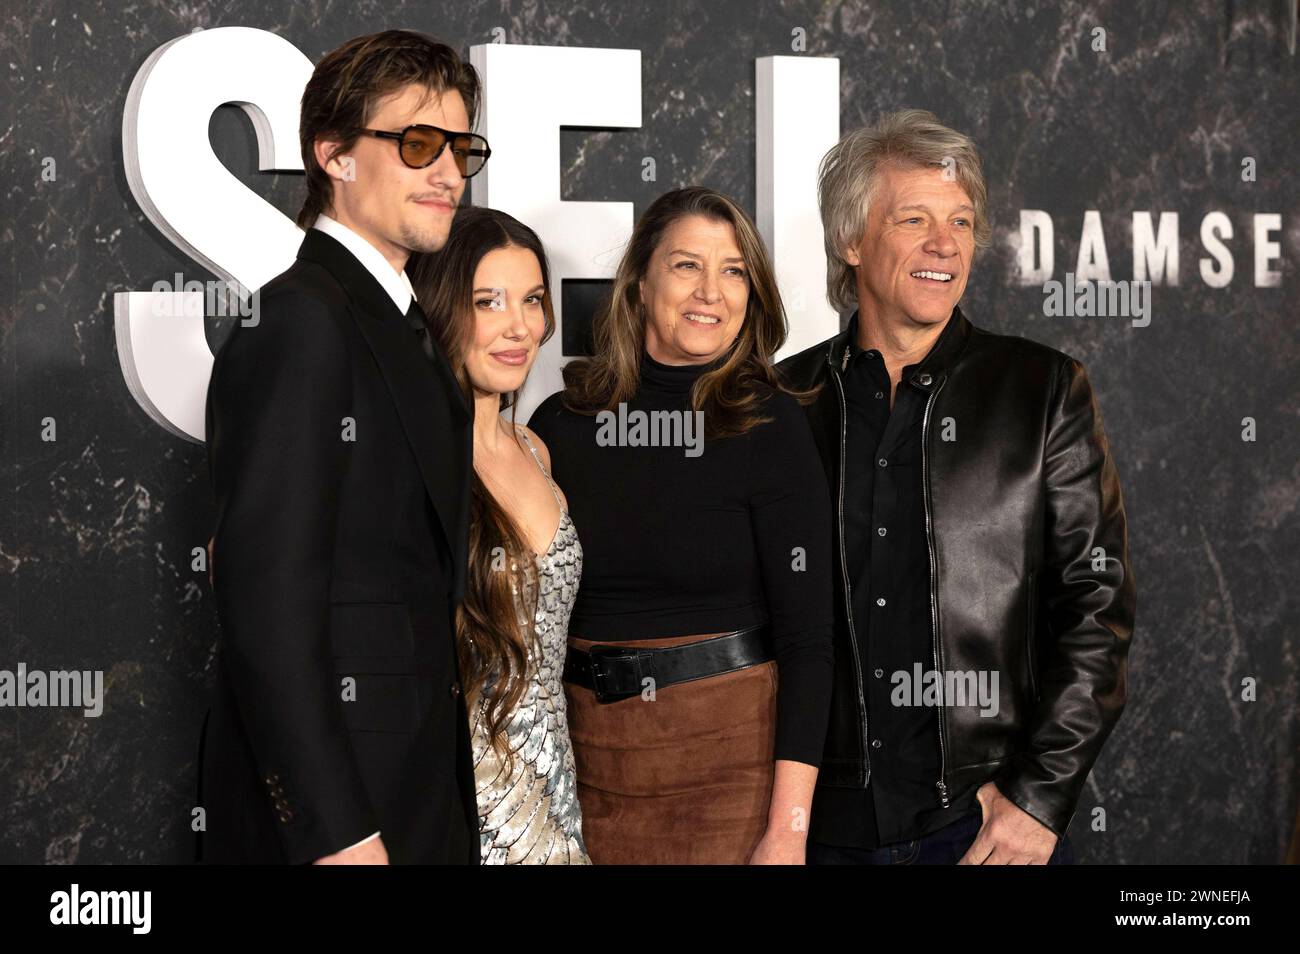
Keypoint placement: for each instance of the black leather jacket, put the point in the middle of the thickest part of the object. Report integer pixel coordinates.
(1030, 575)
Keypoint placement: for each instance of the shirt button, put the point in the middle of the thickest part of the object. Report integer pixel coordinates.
(880, 601)
(880, 394)
(881, 531)
(880, 673)
(875, 743)
(882, 462)
(455, 688)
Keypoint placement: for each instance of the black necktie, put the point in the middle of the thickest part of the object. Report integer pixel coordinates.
(416, 321)
(415, 318)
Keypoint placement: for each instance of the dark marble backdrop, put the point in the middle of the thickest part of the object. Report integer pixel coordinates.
(96, 527)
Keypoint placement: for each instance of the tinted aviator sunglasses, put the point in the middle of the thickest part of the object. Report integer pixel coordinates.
(420, 145)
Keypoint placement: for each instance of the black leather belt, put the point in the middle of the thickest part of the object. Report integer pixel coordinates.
(617, 672)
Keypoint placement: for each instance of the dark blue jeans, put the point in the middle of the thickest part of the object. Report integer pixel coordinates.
(943, 847)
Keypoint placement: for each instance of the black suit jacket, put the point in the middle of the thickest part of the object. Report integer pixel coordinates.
(340, 462)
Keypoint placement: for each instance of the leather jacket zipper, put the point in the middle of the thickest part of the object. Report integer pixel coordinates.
(942, 784)
(844, 569)
(1031, 632)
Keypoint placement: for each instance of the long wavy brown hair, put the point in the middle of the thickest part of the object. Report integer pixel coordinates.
(494, 624)
(731, 394)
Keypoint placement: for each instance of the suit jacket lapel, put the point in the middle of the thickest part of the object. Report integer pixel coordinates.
(429, 402)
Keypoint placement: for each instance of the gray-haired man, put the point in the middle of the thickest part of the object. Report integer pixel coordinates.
(985, 602)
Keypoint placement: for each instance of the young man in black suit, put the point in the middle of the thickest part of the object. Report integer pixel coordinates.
(339, 450)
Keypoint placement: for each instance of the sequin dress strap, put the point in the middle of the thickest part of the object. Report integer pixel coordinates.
(555, 492)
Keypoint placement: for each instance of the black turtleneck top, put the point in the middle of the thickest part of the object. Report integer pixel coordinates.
(675, 544)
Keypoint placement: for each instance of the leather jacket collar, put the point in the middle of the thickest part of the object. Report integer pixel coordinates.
(933, 367)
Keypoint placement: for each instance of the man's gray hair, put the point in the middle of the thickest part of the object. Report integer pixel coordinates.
(848, 176)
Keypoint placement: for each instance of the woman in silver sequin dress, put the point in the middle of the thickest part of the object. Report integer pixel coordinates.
(490, 284)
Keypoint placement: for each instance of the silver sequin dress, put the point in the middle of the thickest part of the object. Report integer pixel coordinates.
(529, 814)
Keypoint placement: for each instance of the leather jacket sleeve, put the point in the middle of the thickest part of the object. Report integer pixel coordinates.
(1085, 603)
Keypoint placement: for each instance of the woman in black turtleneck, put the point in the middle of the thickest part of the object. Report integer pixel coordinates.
(697, 492)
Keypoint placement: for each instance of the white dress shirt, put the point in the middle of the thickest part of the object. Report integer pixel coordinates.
(395, 283)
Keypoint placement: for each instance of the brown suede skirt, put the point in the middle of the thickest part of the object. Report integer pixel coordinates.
(685, 778)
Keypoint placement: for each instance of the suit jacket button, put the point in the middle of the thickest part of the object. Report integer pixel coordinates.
(455, 688)
(286, 815)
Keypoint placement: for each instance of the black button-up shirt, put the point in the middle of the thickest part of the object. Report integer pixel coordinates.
(888, 565)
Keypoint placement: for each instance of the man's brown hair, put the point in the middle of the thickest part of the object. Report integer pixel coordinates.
(347, 85)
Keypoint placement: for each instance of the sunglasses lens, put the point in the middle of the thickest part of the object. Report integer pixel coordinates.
(471, 153)
(419, 146)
